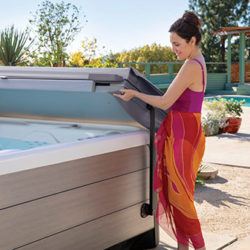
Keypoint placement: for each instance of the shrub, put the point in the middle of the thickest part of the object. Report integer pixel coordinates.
(216, 113)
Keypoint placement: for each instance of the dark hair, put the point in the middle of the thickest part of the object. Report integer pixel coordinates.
(187, 27)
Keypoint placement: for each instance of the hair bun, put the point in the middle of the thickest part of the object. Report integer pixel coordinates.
(191, 18)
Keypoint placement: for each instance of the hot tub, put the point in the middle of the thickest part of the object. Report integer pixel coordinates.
(74, 165)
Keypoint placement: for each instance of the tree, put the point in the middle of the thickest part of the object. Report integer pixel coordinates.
(214, 15)
(56, 25)
(76, 59)
(13, 46)
(148, 53)
(246, 18)
(89, 47)
(87, 56)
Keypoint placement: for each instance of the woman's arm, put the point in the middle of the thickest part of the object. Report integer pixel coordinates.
(185, 77)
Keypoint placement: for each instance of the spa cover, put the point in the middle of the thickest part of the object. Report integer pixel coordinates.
(97, 84)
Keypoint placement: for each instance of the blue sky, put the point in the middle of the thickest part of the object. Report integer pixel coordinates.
(117, 25)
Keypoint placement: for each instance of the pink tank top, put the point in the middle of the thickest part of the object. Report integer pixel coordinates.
(189, 100)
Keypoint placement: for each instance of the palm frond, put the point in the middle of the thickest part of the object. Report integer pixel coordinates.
(13, 46)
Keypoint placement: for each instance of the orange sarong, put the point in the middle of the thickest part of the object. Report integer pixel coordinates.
(180, 145)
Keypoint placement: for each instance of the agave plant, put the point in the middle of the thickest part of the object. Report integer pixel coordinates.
(13, 46)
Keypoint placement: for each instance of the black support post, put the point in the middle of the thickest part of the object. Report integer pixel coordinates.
(147, 209)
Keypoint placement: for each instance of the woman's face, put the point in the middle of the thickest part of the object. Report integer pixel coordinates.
(181, 47)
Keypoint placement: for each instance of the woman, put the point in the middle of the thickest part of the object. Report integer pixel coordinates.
(180, 141)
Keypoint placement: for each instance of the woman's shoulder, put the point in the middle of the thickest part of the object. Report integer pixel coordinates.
(191, 65)
(196, 63)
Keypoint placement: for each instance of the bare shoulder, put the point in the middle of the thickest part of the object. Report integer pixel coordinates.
(189, 69)
(191, 66)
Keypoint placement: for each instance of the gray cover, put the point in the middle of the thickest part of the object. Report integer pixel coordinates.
(76, 88)
(138, 109)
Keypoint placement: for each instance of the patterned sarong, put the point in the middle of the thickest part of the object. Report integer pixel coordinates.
(180, 145)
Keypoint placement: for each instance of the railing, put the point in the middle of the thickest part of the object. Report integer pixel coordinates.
(162, 73)
(170, 67)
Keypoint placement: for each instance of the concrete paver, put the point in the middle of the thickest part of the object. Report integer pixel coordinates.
(213, 241)
(243, 244)
(230, 149)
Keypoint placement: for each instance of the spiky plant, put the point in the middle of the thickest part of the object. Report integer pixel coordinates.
(13, 46)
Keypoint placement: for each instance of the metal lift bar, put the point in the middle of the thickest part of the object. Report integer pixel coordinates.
(105, 78)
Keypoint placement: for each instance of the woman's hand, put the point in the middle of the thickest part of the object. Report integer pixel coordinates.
(126, 94)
